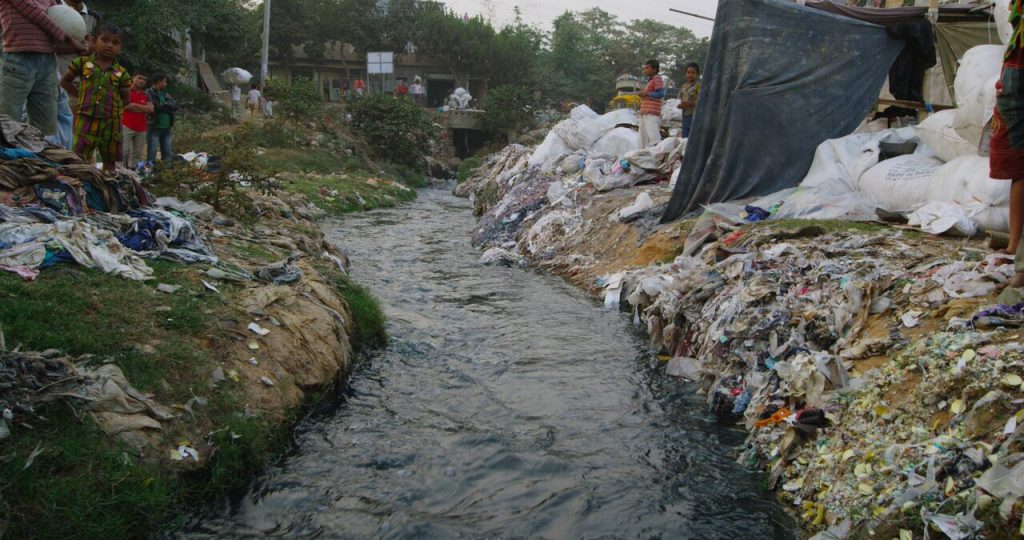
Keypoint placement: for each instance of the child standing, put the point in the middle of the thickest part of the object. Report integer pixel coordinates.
(688, 93)
(254, 99)
(101, 94)
(650, 105)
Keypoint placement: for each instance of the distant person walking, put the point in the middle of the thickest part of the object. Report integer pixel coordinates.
(254, 99)
(133, 122)
(688, 93)
(28, 78)
(650, 105)
(236, 103)
(103, 90)
(162, 120)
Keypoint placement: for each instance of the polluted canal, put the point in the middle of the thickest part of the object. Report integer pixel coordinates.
(507, 404)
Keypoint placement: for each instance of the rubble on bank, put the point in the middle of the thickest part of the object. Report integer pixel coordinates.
(876, 372)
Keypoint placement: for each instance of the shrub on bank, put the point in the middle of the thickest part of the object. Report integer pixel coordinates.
(396, 129)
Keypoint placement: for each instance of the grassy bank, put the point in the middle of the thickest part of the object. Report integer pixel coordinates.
(64, 477)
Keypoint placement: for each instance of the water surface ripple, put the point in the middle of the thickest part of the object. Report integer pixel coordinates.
(507, 404)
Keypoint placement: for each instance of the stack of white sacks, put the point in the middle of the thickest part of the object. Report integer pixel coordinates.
(944, 185)
(605, 149)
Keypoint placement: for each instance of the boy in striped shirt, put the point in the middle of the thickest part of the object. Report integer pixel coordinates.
(650, 105)
(102, 92)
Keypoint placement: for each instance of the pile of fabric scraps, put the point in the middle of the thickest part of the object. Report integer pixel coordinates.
(32, 239)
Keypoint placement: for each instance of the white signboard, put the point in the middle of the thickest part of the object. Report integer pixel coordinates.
(380, 63)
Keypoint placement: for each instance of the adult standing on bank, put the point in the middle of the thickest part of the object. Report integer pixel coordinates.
(28, 78)
(1006, 149)
(650, 105)
(162, 119)
(65, 55)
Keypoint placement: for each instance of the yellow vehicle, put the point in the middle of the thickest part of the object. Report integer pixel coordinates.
(628, 87)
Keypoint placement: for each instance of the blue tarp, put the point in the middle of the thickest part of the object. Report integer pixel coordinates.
(780, 79)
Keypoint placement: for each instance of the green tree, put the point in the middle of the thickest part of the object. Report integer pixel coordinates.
(395, 128)
(508, 110)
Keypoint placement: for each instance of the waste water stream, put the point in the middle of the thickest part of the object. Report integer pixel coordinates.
(507, 404)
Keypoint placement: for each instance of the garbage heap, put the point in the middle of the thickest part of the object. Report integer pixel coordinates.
(876, 371)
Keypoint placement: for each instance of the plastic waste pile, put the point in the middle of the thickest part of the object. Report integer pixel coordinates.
(941, 185)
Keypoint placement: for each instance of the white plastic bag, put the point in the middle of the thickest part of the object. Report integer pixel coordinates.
(582, 113)
(839, 163)
(579, 135)
(617, 142)
(965, 181)
(940, 218)
(236, 75)
(976, 111)
(642, 204)
(977, 67)
(549, 151)
(937, 133)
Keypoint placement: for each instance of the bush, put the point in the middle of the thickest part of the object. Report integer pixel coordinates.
(298, 99)
(508, 109)
(467, 168)
(193, 99)
(394, 128)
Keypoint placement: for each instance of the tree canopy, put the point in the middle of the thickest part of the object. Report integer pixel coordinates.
(577, 60)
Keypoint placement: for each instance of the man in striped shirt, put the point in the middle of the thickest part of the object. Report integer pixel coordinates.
(29, 69)
(650, 105)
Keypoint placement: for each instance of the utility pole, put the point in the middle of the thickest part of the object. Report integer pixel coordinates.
(265, 54)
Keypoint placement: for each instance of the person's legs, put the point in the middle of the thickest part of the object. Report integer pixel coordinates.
(152, 141)
(15, 84)
(42, 99)
(166, 153)
(64, 121)
(129, 147)
(139, 139)
(109, 143)
(687, 125)
(1016, 215)
(85, 137)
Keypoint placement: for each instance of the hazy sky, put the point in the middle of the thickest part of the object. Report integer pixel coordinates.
(542, 12)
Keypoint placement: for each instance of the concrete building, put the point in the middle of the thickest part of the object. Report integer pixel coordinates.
(342, 66)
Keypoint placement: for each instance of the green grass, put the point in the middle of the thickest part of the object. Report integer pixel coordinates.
(367, 314)
(345, 193)
(83, 484)
(307, 160)
(467, 168)
(86, 484)
(88, 312)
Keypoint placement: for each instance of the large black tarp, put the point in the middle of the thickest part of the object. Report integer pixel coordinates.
(780, 79)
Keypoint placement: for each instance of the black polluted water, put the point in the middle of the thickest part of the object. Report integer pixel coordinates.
(507, 404)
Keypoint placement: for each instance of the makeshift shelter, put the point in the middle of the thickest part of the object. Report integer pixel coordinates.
(782, 78)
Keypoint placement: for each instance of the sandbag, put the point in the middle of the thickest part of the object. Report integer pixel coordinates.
(839, 163)
(976, 111)
(671, 114)
(579, 135)
(937, 133)
(978, 65)
(549, 151)
(899, 184)
(617, 142)
(582, 113)
(617, 117)
(965, 181)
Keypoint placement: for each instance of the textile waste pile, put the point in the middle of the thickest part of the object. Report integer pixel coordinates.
(56, 208)
(876, 371)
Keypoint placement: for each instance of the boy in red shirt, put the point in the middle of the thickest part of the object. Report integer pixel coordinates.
(650, 105)
(133, 122)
